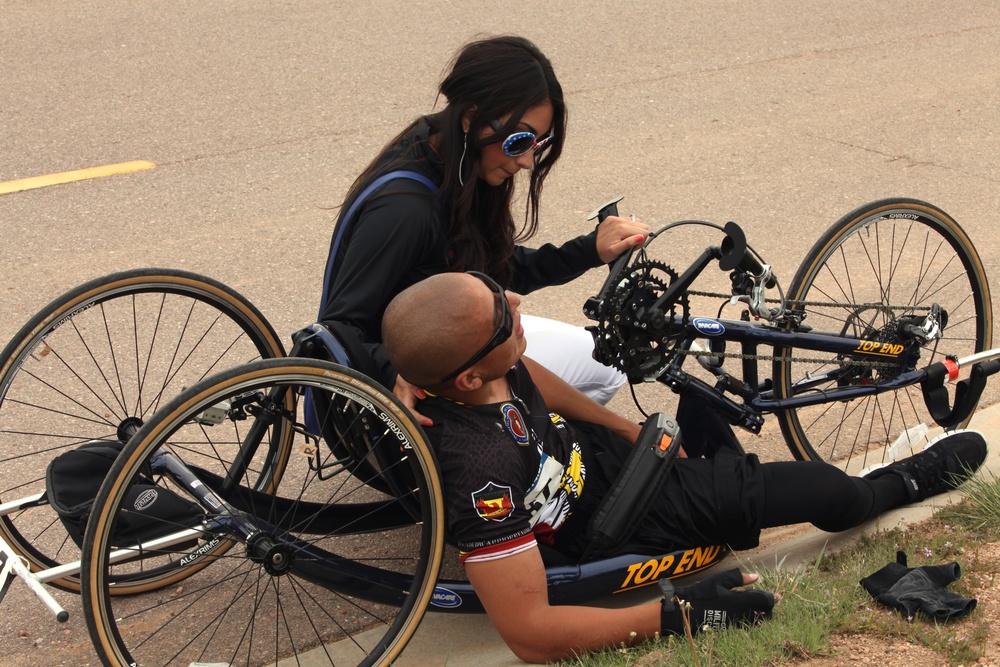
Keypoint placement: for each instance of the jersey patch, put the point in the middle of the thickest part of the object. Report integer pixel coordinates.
(493, 502)
(514, 423)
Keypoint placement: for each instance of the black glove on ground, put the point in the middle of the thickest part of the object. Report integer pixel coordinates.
(713, 604)
(919, 589)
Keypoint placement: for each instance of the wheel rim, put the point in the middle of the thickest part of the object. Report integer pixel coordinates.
(259, 602)
(94, 365)
(895, 261)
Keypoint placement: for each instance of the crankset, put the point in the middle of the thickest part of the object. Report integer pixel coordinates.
(633, 333)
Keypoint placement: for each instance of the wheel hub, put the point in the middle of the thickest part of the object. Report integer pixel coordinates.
(276, 558)
(127, 428)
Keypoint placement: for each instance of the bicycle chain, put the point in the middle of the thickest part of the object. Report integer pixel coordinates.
(826, 304)
(804, 360)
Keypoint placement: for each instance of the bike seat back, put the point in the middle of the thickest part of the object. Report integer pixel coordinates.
(350, 436)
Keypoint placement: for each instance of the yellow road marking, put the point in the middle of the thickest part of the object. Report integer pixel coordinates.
(71, 176)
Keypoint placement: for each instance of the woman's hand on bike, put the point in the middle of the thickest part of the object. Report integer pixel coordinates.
(617, 235)
(409, 394)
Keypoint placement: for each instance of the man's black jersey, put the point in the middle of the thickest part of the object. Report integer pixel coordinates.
(511, 470)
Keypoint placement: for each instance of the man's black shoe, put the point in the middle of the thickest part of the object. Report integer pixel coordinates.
(946, 462)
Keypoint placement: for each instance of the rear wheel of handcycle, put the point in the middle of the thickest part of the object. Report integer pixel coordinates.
(334, 566)
(93, 365)
(888, 260)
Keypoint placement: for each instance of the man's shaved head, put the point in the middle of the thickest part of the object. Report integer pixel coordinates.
(433, 327)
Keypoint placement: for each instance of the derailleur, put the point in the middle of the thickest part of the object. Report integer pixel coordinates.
(926, 328)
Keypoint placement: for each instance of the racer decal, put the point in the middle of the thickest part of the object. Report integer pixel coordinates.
(708, 327)
(514, 424)
(678, 563)
(878, 348)
(493, 502)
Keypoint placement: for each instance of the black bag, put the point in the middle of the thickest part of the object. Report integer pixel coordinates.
(73, 479)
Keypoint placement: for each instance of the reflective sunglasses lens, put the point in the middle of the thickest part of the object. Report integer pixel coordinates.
(518, 143)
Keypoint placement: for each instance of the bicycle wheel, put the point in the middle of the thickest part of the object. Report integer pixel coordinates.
(93, 365)
(329, 568)
(890, 259)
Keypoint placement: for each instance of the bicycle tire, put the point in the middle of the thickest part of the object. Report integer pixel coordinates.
(913, 254)
(237, 611)
(104, 353)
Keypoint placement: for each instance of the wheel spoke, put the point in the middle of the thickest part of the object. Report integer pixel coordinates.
(907, 256)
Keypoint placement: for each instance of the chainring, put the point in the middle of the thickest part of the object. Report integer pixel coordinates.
(625, 336)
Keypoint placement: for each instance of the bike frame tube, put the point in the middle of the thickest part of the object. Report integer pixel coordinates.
(752, 335)
(312, 563)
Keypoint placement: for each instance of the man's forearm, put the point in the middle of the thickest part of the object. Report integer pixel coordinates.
(562, 398)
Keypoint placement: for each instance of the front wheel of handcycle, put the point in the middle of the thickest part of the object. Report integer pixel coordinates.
(335, 565)
(92, 366)
(886, 263)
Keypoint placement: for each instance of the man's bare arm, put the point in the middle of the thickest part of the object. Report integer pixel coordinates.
(562, 398)
(513, 590)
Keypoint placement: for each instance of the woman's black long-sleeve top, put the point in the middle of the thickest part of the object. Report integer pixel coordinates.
(399, 237)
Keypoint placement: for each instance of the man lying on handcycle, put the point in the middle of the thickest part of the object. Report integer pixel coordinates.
(525, 460)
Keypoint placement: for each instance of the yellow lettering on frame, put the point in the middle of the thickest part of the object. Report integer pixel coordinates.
(632, 569)
(685, 562)
(645, 573)
(665, 564)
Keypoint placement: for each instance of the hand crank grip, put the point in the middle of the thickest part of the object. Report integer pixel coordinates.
(736, 255)
(606, 210)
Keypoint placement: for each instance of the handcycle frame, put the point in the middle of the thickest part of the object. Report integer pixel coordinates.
(759, 397)
(654, 320)
(578, 582)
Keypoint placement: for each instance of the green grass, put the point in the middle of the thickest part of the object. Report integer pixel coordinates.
(825, 597)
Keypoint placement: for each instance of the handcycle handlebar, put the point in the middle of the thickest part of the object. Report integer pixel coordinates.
(592, 306)
(603, 213)
(736, 255)
(606, 210)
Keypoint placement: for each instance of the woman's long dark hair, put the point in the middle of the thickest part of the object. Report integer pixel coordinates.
(497, 77)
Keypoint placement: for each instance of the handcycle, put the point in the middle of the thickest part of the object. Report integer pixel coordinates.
(902, 302)
(294, 463)
(98, 365)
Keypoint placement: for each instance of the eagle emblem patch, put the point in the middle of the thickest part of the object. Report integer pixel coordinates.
(514, 423)
(493, 502)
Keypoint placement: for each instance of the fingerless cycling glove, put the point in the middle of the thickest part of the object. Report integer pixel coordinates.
(713, 604)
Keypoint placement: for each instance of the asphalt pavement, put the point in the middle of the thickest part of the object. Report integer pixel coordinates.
(257, 116)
